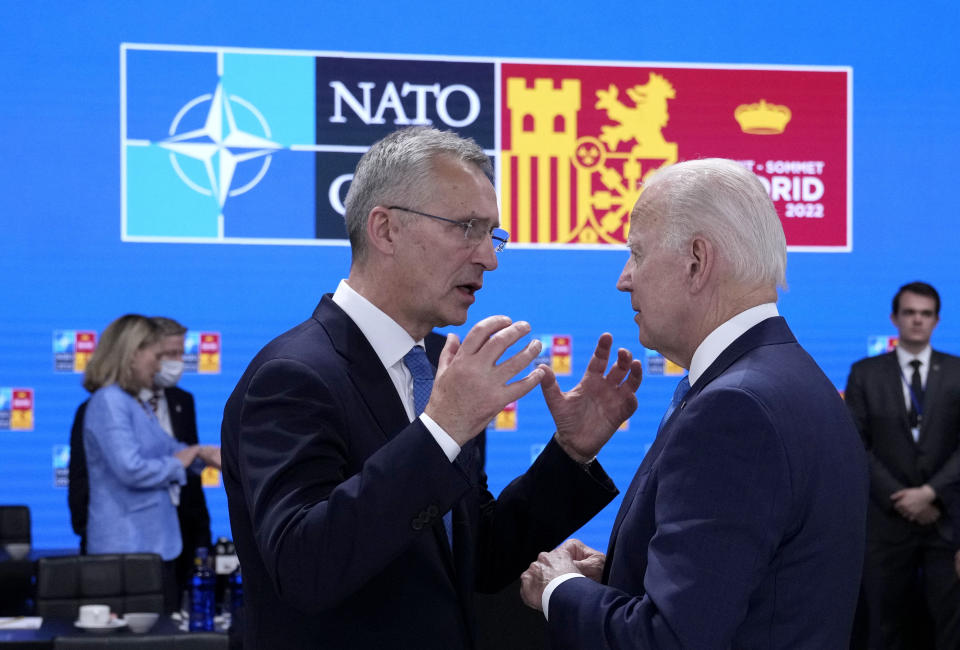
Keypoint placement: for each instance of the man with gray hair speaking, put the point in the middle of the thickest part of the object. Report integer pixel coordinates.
(358, 499)
(744, 524)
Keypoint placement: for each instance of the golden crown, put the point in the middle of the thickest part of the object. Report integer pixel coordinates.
(762, 118)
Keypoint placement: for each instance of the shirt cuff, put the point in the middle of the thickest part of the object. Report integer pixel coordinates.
(447, 444)
(553, 584)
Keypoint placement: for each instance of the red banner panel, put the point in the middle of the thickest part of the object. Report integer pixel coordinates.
(577, 141)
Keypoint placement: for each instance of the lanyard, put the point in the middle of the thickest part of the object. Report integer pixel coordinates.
(918, 407)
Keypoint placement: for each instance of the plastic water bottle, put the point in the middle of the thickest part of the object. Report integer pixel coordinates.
(202, 602)
(236, 593)
(224, 563)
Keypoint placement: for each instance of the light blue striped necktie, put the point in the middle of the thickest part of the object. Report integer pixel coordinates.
(422, 373)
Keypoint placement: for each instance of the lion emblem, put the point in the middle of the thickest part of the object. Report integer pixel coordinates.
(642, 121)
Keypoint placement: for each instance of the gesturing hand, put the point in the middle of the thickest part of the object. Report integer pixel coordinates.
(587, 415)
(470, 388)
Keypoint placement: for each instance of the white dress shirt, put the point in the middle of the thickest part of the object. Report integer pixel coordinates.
(706, 353)
(391, 343)
(163, 408)
(904, 358)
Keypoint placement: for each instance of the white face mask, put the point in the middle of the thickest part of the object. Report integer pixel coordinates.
(169, 373)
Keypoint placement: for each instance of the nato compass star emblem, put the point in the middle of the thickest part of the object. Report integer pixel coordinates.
(220, 145)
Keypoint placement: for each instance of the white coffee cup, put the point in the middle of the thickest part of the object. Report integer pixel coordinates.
(94, 614)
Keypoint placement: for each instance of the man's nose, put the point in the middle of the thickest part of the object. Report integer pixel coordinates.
(485, 255)
(625, 281)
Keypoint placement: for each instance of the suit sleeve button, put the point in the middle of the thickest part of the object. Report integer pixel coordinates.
(433, 511)
(416, 524)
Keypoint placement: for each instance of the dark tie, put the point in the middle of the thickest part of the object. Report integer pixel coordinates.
(154, 401)
(422, 372)
(916, 387)
(678, 394)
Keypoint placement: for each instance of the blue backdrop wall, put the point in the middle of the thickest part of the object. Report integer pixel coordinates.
(65, 266)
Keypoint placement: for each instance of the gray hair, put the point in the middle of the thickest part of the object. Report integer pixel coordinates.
(726, 203)
(396, 170)
(168, 326)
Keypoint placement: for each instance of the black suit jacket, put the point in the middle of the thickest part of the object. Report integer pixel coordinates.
(336, 502)
(874, 395)
(192, 513)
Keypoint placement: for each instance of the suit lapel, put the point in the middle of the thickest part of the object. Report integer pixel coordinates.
(175, 411)
(931, 394)
(364, 370)
(375, 387)
(893, 391)
(771, 331)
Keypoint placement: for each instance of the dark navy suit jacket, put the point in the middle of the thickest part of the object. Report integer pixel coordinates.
(336, 502)
(744, 525)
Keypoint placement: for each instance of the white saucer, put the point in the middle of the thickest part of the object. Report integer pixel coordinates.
(114, 624)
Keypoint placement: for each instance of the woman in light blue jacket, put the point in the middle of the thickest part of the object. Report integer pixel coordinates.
(135, 467)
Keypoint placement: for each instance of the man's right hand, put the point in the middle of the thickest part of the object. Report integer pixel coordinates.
(187, 455)
(470, 388)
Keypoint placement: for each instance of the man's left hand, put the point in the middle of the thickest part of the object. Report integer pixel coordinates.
(912, 503)
(587, 415)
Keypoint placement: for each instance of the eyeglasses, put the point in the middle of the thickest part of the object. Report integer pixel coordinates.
(473, 232)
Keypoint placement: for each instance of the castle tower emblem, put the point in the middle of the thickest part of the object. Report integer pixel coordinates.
(561, 187)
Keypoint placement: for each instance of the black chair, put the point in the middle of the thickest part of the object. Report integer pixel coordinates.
(14, 526)
(131, 582)
(16, 575)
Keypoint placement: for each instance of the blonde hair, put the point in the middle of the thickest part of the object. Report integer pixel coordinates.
(112, 361)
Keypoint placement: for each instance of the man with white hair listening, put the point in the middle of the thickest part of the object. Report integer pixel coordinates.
(744, 524)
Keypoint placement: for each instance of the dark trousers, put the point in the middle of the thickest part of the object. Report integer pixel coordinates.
(171, 591)
(912, 593)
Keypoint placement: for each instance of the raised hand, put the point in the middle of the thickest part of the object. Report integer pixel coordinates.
(470, 388)
(587, 415)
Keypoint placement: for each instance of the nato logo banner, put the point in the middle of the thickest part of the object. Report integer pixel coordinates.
(257, 146)
(201, 352)
(658, 365)
(556, 351)
(61, 466)
(72, 349)
(506, 420)
(361, 100)
(211, 140)
(210, 477)
(16, 409)
(881, 345)
(231, 145)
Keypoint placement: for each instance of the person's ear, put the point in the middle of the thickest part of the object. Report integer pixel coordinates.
(701, 260)
(381, 229)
